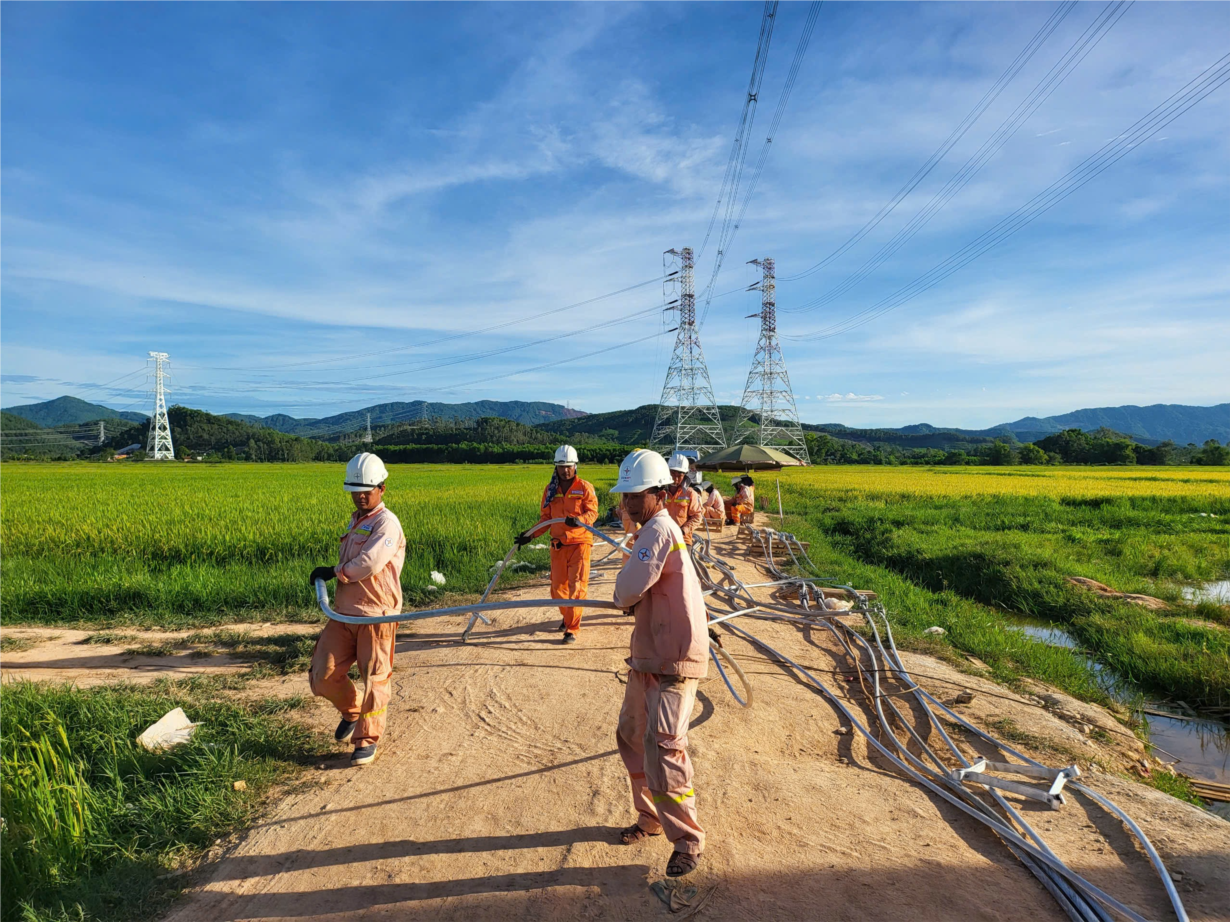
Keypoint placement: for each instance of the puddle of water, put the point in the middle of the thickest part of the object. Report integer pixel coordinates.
(1216, 591)
(1202, 745)
(1043, 630)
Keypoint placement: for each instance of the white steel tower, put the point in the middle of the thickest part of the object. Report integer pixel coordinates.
(159, 447)
(688, 416)
(767, 392)
(367, 436)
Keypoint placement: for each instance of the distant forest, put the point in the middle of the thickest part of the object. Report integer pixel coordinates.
(599, 439)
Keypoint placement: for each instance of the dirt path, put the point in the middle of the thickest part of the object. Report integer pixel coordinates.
(498, 794)
(64, 655)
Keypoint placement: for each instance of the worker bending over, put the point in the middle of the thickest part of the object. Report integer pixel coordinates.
(574, 500)
(683, 499)
(743, 502)
(368, 574)
(669, 653)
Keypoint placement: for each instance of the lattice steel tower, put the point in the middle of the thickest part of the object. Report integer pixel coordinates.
(688, 416)
(767, 392)
(159, 447)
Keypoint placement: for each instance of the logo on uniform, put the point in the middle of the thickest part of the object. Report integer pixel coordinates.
(388, 542)
(643, 554)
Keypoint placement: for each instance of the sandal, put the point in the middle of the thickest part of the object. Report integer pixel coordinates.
(634, 833)
(681, 863)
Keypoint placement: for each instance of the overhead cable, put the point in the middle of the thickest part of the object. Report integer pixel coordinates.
(1059, 72)
(1208, 81)
(993, 92)
(444, 339)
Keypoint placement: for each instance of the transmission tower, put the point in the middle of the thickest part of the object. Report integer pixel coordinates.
(688, 416)
(367, 436)
(102, 431)
(767, 392)
(159, 448)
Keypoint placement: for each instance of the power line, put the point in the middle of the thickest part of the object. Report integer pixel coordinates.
(1076, 53)
(738, 150)
(1191, 94)
(1023, 57)
(809, 25)
(443, 339)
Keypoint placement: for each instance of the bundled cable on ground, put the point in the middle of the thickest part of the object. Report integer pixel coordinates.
(876, 655)
(477, 611)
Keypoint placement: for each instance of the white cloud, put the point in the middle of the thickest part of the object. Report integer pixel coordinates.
(850, 398)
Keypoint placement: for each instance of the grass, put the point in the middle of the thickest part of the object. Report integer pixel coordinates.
(1007, 540)
(12, 643)
(109, 638)
(93, 824)
(178, 545)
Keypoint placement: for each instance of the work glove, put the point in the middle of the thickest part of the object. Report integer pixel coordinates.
(523, 539)
(325, 573)
(572, 521)
(713, 635)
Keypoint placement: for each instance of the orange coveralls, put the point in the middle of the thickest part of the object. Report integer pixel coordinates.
(741, 505)
(570, 547)
(685, 508)
(669, 654)
(372, 554)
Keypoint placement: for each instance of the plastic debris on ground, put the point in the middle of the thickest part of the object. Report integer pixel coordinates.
(172, 728)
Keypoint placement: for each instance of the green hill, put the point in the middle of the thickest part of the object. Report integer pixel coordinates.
(388, 414)
(68, 411)
(626, 427)
(20, 438)
(1161, 421)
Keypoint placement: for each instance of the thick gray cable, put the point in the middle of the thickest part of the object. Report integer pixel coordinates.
(1010, 836)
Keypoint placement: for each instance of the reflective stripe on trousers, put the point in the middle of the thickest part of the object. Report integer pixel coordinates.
(653, 738)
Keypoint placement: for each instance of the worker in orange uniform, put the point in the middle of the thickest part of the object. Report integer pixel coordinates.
(368, 576)
(669, 655)
(743, 501)
(570, 498)
(683, 499)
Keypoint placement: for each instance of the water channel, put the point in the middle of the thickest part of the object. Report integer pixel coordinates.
(1201, 745)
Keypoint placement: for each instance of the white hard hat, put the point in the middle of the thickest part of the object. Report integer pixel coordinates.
(566, 454)
(364, 472)
(679, 462)
(642, 470)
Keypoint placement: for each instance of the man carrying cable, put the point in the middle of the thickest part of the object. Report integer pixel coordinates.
(669, 654)
(368, 573)
(569, 498)
(682, 499)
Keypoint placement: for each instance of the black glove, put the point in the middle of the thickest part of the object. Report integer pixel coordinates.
(325, 573)
(572, 522)
(713, 635)
(522, 540)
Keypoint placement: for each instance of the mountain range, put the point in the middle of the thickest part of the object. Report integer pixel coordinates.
(383, 414)
(1149, 425)
(1161, 421)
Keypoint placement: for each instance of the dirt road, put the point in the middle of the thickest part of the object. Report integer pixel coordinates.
(498, 795)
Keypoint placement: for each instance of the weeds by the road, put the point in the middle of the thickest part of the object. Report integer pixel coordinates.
(93, 824)
(1015, 552)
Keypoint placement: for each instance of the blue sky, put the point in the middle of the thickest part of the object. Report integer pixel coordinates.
(253, 187)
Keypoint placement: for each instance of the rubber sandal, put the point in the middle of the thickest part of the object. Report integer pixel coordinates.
(681, 863)
(635, 833)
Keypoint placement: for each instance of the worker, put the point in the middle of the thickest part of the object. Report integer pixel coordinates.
(569, 498)
(368, 574)
(713, 506)
(682, 499)
(743, 502)
(669, 655)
